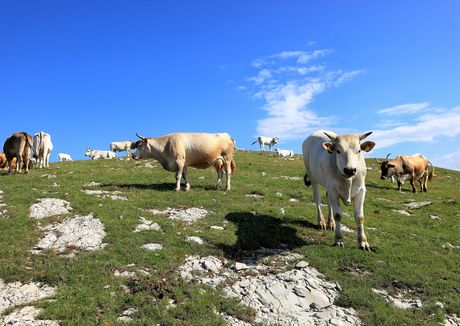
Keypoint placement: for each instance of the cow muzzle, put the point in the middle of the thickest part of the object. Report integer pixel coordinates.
(349, 172)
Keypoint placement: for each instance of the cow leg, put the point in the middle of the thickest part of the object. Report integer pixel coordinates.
(412, 183)
(179, 169)
(220, 174)
(330, 218)
(184, 175)
(18, 163)
(228, 172)
(317, 199)
(358, 205)
(10, 162)
(333, 200)
(399, 186)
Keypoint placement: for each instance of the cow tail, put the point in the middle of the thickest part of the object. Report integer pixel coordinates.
(431, 175)
(233, 166)
(306, 180)
(31, 144)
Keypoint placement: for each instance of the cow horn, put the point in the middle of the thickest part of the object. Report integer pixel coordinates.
(388, 157)
(141, 137)
(330, 137)
(378, 161)
(362, 136)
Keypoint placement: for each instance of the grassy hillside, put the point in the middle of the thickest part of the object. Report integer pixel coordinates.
(408, 251)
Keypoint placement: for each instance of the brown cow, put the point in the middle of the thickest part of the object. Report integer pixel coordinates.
(3, 161)
(18, 146)
(13, 163)
(414, 168)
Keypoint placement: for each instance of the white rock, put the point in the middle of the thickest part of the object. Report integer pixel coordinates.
(293, 200)
(195, 239)
(301, 264)
(26, 316)
(145, 225)
(188, 215)
(240, 266)
(153, 246)
(416, 205)
(49, 207)
(402, 212)
(215, 227)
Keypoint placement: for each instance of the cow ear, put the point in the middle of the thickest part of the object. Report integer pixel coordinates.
(328, 147)
(367, 145)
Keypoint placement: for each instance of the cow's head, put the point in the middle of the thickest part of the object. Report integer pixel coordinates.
(89, 151)
(347, 151)
(142, 144)
(386, 167)
(275, 140)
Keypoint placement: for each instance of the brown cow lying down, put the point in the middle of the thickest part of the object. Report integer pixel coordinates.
(414, 168)
(18, 146)
(177, 151)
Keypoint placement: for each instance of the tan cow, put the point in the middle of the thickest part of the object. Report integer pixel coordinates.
(3, 161)
(414, 168)
(18, 146)
(177, 151)
(13, 163)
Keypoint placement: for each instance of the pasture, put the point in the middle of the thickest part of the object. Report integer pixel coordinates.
(417, 256)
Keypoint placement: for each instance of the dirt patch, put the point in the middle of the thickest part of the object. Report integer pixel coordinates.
(188, 215)
(49, 207)
(73, 234)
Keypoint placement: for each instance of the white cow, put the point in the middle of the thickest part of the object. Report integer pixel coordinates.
(42, 146)
(121, 146)
(95, 154)
(64, 157)
(270, 141)
(284, 152)
(337, 163)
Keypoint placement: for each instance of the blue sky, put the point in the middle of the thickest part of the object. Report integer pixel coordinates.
(92, 72)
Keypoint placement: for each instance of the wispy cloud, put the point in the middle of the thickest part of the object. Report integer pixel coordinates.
(442, 123)
(451, 160)
(287, 83)
(405, 109)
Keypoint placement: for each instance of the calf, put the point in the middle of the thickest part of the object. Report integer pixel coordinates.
(336, 162)
(284, 152)
(64, 157)
(177, 151)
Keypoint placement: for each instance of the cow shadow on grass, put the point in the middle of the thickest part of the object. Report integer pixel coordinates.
(393, 188)
(163, 186)
(255, 232)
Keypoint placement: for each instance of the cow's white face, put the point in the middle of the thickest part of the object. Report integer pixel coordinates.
(89, 151)
(347, 151)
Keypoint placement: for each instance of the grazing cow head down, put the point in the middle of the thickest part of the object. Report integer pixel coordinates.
(386, 167)
(347, 150)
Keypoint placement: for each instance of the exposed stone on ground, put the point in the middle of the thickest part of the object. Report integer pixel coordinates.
(451, 320)
(195, 239)
(434, 217)
(232, 321)
(148, 165)
(402, 212)
(293, 200)
(145, 224)
(400, 299)
(93, 184)
(114, 195)
(285, 177)
(117, 273)
(3, 210)
(416, 205)
(26, 316)
(49, 207)
(254, 196)
(75, 233)
(188, 215)
(153, 246)
(49, 176)
(216, 227)
(17, 293)
(448, 245)
(346, 229)
(126, 315)
(278, 194)
(296, 297)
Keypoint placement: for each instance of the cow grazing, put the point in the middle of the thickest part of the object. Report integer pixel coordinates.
(284, 152)
(177, 151)
(95, 154)
(121, 146)
(42, 149)
(336, 162)
(412, 168)
(62, 157)
(3, 161)
(270, 141)
(18, 146)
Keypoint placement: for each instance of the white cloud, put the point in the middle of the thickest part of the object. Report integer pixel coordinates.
(405, 108)
(450, 161)
(287, 89)
(424, 129)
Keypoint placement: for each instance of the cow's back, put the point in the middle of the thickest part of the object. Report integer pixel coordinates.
(416, 163)
(317, 161)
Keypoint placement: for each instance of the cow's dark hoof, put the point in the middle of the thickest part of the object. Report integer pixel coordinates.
(339, 244)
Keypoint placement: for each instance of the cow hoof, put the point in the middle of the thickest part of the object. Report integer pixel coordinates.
(365, 247)
(331, 226)
(188, 189)
(177, 189)
(339, 244)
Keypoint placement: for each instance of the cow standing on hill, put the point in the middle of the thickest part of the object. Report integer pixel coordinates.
(414, 168)
(64, 157)
(42, 149)
(336, 162)
(121, 146)
(270, 141)
(177, 151)
(18, 146)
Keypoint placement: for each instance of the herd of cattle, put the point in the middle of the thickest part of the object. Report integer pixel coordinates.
(332, 161)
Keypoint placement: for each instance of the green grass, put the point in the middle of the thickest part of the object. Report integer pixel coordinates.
(407, 251)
